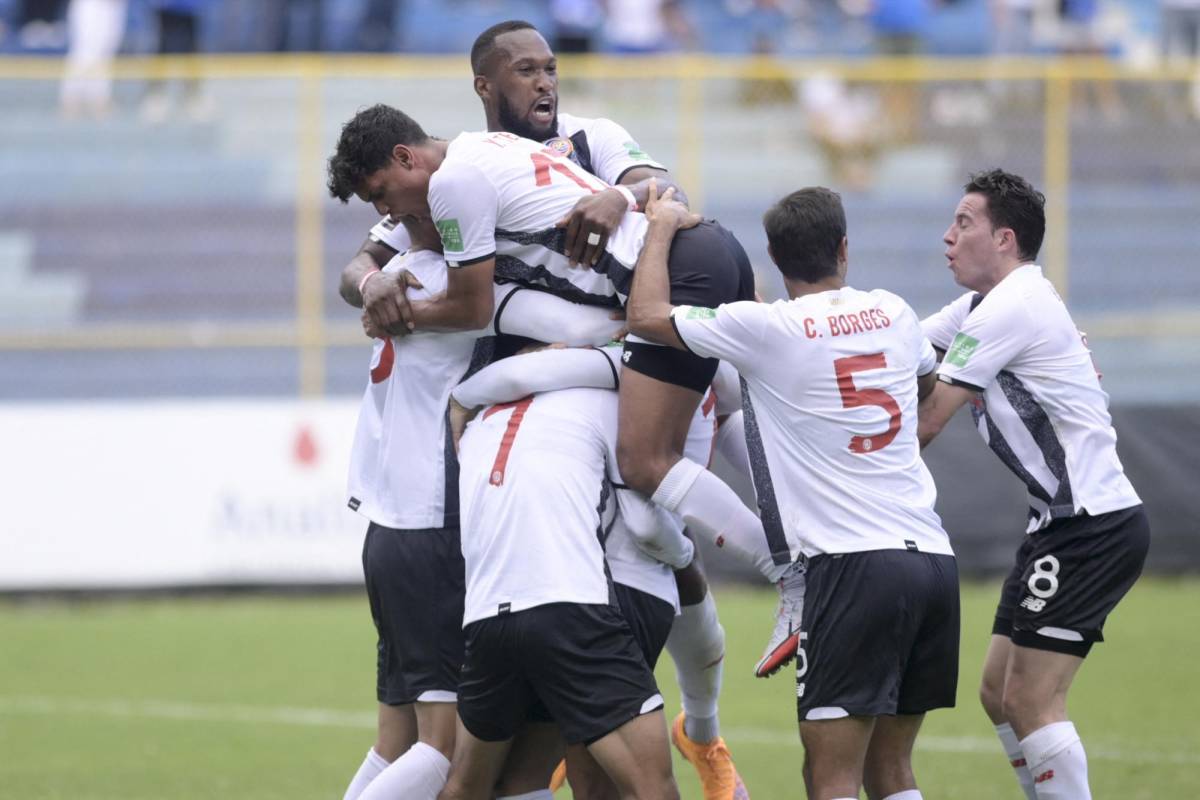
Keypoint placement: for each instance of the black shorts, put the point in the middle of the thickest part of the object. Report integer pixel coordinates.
(1068, 577)
(879, 635)
(650, 619)
(415, 585)
(577, 662)
(708, 267)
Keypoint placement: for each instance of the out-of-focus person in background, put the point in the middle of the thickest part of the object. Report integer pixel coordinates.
(95, 29)
(40, 24)
(1180, 41)
(646, 26)
(575, 25)
(900, 27)
(178, 34)
(845, 124)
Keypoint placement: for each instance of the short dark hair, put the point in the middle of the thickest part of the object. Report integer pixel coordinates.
(485, 43)
(366, 144)
(805, 230)
(1012, 202)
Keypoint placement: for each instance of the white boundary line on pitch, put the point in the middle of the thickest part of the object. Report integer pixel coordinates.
(330, 718)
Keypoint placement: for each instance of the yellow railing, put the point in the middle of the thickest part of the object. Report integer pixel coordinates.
(310, 334)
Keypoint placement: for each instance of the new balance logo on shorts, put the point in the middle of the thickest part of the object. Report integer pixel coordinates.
(1034, 604)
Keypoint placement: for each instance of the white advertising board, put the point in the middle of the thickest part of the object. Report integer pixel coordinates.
(132, 495)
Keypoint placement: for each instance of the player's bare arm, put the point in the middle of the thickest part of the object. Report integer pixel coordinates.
(938, 407)
(370, 257)
(926, 384)
(594, 218)
(466, 305)
(648, 312)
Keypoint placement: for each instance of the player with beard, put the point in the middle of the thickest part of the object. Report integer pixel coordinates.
(516, 79)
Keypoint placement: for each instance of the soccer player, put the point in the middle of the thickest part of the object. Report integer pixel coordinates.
(498, 200)
(411, 555)
(543, 633)
(1013, 352)
(831, 378)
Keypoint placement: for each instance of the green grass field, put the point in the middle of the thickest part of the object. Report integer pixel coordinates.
(273, 697)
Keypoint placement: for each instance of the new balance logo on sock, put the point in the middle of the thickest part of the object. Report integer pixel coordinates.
(1017, 763)
(1045, 776)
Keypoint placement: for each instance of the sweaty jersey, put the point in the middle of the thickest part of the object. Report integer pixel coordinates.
(403, 472)
(830, 405)
(1041, 410)
(598, 145)
(535, 502)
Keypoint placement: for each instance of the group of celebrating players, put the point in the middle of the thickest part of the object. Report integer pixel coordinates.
(534, 488)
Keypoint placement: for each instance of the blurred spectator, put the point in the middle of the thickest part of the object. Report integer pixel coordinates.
(94, 29)
(900, 26)
(1181, 29)
(1013, 29)
(178, 28)
(377, 31)
(646, 26)
(575, 25)
(256, 27)
(1079, 35)
(845, 125)
(41, 25)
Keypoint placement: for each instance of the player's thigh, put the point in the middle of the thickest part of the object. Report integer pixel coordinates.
(636, 756)
(475, 767)
(535, 752)
(1038, 680)
(653, 421)
(588, 780)
(835, 753)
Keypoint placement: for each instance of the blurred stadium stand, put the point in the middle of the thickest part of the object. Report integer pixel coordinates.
(198, 256)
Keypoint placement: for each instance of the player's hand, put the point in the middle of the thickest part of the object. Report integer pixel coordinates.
(666, 211)
(590, 223)
(387, 305)
(369, 327)
(459, 415)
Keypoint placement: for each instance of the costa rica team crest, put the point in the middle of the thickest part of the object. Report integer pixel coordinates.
(561, 146)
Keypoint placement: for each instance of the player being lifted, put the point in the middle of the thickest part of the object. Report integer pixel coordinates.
(831, 379)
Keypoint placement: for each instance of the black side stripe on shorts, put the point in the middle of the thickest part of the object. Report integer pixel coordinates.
(768, 507)
(1040, 428)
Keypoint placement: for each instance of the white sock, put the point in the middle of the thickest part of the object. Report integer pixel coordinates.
(907, 794)
(1016, 759)
(711, 508)
(697, 646)
(1057, 762)
(372, 765)
(419, 774)
(540, 794)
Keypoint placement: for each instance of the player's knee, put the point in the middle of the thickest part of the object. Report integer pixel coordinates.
(991, 697)
(1017, 709)
(640, 468)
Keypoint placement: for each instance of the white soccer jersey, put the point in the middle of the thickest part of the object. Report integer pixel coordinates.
(402, 468)
(831, 417)
(498, 195)
(535, 502)
(600, 146)
(1042, 409)
(548, 370)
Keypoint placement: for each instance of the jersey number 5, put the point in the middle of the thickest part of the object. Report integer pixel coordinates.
(853, 397)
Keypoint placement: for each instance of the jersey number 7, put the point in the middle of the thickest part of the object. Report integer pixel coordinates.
(853, 397)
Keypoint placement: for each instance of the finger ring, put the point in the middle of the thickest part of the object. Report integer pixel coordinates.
(593, 238)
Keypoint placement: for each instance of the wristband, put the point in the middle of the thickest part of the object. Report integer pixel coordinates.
(363, 281)
(628, 195)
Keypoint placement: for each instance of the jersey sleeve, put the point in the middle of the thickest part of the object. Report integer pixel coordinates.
(940, 327)
(392, 234)
(549, 318)
(464, 204)
(615, 152)
(733, 332)
(991, 336)
(543, 371)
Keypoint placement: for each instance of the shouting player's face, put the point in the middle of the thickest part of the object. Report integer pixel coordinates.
(972, 244)
(524, 85)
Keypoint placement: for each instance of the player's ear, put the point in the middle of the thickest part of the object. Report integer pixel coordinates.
(483, 88)
(843, 250)
(403, 155)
